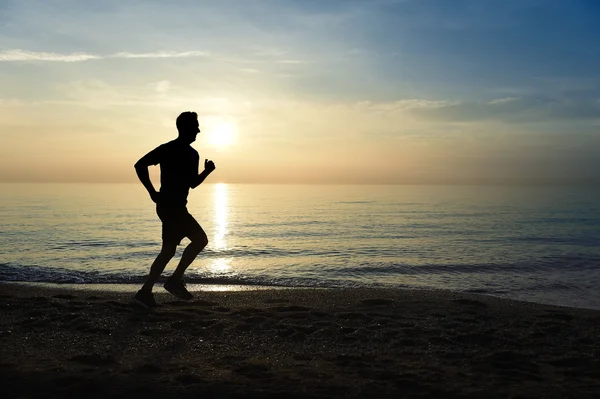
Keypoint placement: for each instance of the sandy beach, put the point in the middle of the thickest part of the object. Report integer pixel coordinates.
(61, 342)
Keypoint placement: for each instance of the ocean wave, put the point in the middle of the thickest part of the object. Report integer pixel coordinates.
(41, 274)
(74, 244)
(316, 274)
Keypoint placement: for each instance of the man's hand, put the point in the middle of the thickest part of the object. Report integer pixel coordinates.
(209, 166)
(155, 195)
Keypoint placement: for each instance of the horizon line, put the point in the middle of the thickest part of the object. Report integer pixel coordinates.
(449, 183)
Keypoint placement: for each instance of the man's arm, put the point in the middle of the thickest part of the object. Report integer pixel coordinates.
(209, 167)
(141, 169)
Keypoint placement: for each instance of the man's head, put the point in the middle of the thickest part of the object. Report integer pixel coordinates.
(187, 125)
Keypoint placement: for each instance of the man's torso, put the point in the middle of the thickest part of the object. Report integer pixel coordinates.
(178, 169)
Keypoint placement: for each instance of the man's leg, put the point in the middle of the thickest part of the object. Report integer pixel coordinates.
(194, 232)
(166, 254)
(199, 241)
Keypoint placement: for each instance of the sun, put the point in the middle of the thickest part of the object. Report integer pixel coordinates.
(222, 134)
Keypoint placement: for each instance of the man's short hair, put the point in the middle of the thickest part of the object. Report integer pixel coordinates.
(186, 119)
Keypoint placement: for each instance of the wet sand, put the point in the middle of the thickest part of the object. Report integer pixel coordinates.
(59, 342)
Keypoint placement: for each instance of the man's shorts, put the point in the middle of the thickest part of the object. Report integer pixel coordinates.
(176, 224)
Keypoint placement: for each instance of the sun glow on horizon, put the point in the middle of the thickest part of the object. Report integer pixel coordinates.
(222, 134)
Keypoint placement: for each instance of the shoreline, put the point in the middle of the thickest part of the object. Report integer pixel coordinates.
(131, 288)
(303, 343)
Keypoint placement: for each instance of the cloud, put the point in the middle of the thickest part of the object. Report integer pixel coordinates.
(160, 54)
(502, 100)
(530, 109)
(406, 105)
(24, 55)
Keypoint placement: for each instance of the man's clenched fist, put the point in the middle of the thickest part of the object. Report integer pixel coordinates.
(209, 166)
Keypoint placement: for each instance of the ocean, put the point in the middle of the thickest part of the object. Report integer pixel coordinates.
(538, 244)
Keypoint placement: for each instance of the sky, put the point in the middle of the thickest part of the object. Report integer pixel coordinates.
(304, 91)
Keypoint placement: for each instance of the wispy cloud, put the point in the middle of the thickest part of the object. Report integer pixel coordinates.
(503, 100)
(24, 55)
(527, 109)
(160, 54)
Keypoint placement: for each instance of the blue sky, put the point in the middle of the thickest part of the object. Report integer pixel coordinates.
(431, 90)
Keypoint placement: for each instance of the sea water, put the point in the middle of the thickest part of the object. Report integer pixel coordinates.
(539, 243)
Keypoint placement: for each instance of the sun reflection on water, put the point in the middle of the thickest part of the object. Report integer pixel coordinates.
(220, 266)
(221, 217)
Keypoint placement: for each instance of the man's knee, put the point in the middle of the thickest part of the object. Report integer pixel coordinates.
(200, 240)
(168, 250)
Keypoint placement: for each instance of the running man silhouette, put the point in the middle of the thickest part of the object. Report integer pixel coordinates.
(179, 164)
